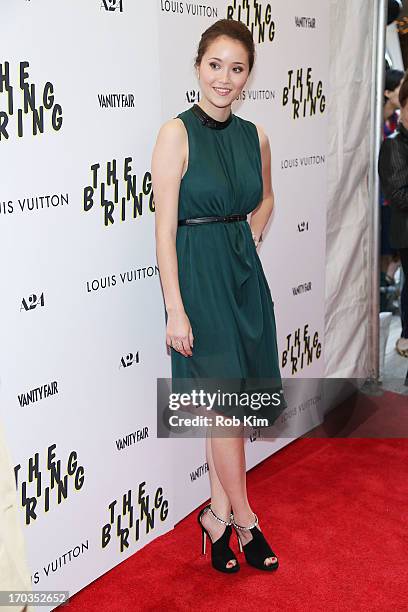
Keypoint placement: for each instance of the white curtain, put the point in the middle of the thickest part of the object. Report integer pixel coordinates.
(347, 264)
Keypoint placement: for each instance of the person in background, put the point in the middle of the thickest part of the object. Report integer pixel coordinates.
(393, 171)
(389, 257)
(393, 80)
(14, 572)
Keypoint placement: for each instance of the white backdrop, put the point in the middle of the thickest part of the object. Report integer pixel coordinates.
(82, 306)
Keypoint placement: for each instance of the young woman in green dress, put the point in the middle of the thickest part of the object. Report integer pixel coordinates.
(213, 168)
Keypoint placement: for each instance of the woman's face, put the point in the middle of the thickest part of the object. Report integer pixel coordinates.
(223, 71)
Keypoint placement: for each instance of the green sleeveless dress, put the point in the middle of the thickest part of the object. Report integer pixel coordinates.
(223, 286)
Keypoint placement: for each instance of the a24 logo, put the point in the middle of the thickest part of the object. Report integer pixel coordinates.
(32, 302)
(193, 96)
(129, 360)
(112, 5)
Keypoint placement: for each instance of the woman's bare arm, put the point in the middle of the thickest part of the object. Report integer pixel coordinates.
(263, 211)
(169, 156)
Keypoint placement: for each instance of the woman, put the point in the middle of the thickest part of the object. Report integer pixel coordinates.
(389, 256)
(393, 80)
(212, 168)
(393, 170)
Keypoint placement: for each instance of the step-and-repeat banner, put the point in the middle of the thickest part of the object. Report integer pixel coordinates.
(84, 88)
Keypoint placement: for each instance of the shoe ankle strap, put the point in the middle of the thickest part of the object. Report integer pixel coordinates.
(254, 524)
(209, 509)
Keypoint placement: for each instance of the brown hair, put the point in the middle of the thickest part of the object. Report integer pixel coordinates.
(227, 27)
(403, 92)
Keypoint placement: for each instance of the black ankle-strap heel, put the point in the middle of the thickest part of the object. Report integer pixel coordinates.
(221, 553)
(257, 550)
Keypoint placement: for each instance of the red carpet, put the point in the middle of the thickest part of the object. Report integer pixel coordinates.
(334, 511)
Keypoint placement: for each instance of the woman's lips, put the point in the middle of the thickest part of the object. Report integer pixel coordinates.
(222, 91)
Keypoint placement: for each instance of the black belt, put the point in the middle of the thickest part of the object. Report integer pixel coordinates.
(225, 219)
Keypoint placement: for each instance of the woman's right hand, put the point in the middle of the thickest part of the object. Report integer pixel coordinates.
(179, 334)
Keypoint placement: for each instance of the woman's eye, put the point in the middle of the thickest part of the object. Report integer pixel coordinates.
(237, 69)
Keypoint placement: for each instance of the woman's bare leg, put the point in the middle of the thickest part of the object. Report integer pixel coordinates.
(220, 503)
(228, 455)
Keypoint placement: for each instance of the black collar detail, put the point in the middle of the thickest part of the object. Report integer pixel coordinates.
(210, 121)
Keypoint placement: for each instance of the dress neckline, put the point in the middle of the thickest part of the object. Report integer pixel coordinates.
(209, 121)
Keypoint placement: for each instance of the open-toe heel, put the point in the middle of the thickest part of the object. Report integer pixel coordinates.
(221, 553)
(257, 550)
